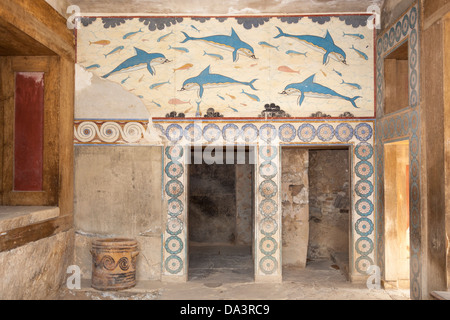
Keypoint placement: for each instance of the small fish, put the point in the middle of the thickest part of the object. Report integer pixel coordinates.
(360, 36)
(238, 67)
(221, 97)
(254, 65)
(157, 85)
(94, 66)
(235, 110)
(156, 103)
(176, 101)
(287, 69)
(185, 67)
(118, 49)
(337, 72)
(361, 54)
(193, 27)
(131, 34)
(188, 110)
(179, 49)
(145, 40)
(232, 97)
(142, 97)
(142, 78)
(292, 52)
(125, 80)
(264, 68)
(216, 56)
(323, 73)
(164, 36)
(268, 45)
(354, 85)
(101, 42)
(251, 96)
(243, 104)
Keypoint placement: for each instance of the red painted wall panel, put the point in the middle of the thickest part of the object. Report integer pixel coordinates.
(29, 131)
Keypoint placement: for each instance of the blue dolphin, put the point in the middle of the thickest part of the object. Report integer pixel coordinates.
(206, 79)
(231, 43)
(141, 60)
(311, 89)
(324, 45)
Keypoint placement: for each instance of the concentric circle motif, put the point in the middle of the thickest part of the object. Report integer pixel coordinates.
(405, 25)
(414, 169)
(124, 264)
(415, 266)
(391, 37)
(212, 132)
(193, 133)
(364, 169)
(415, 217)
(306, 132)
(268, 208)
(174, 264)
(413, 18)
(269, 227)
(174, 152)
(364, 151)
(386, 42)
(268, 265)
(362, 264)
(413, 79)
(174, 226)
(175, 207)
(174, 188)
(325, 132)
(249, 132)
(364, 227)
(398, 31)
(364, 188)
(380, 47)
(230, 132)
(364, 246)
(414, 98)
(287, 133)
(268, 152)
(414, 145)
(415, 289)
(268, 170)
(268, 132)
(364, 207)
(174, 245)
(174, 170)
(133, 132)
(414, 192)
(413, 59)
(405, 123)
(174, 132)
(413, 39)
(344, 132)
(268, 246)
(268, 189)
(414, 121)
(363, 132)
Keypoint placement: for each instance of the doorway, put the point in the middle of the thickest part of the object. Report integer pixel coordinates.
(221, 216)
(396, 215)
(316, 202)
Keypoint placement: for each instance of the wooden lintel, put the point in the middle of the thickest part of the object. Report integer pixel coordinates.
(21, 236)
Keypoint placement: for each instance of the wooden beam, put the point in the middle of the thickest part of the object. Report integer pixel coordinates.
(21, 236)
(38, 20)
(438, 13)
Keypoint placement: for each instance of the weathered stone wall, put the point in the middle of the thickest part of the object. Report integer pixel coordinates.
(37, 270)
(118, 194)
(294, 187)
(329, 202)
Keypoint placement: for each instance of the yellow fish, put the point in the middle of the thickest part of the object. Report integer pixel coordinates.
(101, 42)
(185, 67)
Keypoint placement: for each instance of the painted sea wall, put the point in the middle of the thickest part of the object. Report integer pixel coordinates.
(310, 66)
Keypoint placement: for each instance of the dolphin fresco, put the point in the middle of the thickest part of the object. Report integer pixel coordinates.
(324, 45)
(206, 79)
(309, 88)
(141, 60)
(230, 43)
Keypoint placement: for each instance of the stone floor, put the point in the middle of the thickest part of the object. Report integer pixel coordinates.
(220, 273)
